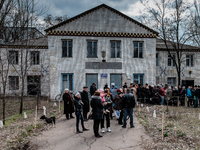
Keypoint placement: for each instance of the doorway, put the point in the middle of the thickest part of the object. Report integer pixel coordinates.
(91, 78)
(187, 83)
(117, 79)
(33, 85)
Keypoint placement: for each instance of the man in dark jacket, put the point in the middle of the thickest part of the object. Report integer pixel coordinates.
(92, 89)
(78, 111)
(128, 103)
(97, 112)
(85, 99)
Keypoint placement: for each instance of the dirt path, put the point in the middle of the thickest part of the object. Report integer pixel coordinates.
(64, 137)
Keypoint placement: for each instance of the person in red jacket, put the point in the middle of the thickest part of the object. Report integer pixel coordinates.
(162, 94)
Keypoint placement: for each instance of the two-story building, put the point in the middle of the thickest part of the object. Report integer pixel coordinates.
(103, 45)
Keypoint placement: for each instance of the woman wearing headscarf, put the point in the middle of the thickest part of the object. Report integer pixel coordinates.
(68, 104)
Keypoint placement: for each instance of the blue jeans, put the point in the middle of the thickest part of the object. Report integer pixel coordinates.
(78, 117)
(128, 111)
(162, 100)
(196, 103)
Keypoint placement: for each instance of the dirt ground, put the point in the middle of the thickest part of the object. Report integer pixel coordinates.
(181, 126)
(18, 130)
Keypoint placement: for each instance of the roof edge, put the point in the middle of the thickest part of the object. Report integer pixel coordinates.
(95, 8)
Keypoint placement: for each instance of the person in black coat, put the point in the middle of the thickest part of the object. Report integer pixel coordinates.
(92, 89)
(78, 111)
(85, 99)
(68, 104)
(97, 112)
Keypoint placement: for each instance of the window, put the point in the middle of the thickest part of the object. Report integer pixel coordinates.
(35, 58)
(138, 49)
(13, 83)
(13, 55)
(138, 79)
(189, 60)
(115, 49)
(171, 81)
(67, 81)
(157, 59)
(170, 60)
(67, 48)
(91, 49)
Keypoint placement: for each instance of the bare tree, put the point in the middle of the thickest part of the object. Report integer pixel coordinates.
(170, 18)
(194, 26)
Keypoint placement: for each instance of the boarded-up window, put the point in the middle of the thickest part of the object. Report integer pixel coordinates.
(91, 49)
(67, 48)
(13, 83)
(115, 49)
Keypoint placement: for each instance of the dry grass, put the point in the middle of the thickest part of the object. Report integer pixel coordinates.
(181, 127)
(17, 131)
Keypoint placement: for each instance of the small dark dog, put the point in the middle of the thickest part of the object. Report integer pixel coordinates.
(51, 120)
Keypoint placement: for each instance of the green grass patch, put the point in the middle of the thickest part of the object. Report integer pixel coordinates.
(165, 134)
(16, 117)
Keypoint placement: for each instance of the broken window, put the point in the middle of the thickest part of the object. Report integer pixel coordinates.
(13, 56)
(13, 83)
(35, 58)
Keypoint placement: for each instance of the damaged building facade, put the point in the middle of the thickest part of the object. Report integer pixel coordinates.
(102, 45)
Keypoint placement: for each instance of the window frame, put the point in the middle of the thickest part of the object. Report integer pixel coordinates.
(138, 42)
(172, 80)
(15, 56)
(157, 59)
(171, 60)
(67, 48)
(32, 59)
(93, 41)
(16, 82)
(116, 48)
(191, 60)
(68, 74)
(139, 74)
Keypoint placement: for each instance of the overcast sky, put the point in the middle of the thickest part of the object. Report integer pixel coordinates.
(72, 8)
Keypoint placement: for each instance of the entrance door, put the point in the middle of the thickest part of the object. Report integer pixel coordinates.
(91, 78)
(33, 85)
(117, 79)
(187, 83)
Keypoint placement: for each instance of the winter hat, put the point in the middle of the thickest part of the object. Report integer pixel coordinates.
(66, 89)
(77, 93)
(112, 84)
(100, 90)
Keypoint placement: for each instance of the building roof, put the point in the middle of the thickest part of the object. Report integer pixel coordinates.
(160, 46)
(96, 8)
(37, 43)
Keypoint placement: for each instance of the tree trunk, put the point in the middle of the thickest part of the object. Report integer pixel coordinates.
(4, 110)
(22, 97)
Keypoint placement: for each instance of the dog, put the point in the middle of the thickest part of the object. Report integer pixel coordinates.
(51, 120)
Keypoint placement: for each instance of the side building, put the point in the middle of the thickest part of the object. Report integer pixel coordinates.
(29, 59)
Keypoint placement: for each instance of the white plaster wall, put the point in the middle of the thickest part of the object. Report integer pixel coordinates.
(76, 64)
(171, 70)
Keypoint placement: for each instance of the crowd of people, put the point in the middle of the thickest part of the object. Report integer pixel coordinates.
(122, 100)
